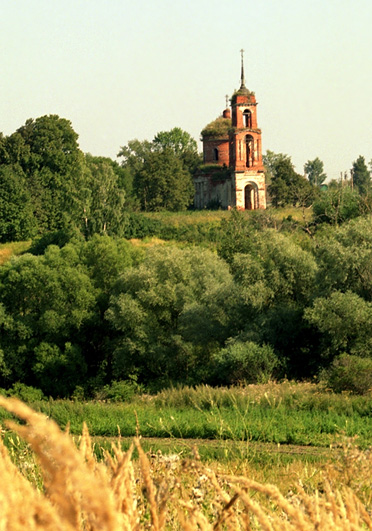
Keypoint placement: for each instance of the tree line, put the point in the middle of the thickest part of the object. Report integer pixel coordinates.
(258, 303)
(48, 184)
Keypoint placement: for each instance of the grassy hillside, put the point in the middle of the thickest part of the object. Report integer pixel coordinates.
(210, 216)
(7, 250)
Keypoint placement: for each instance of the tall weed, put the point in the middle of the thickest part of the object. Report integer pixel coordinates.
(286, 413)
(163, 492)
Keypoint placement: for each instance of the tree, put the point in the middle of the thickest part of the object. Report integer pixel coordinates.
(104, 211)
(163, 184)
(236, 235)
(48, 152)
(182, 144)
(172, 157)
(270, 160)
(106, 258)
(344, 257)
(361, 175)
(177, 140)
(45, 303)
(14, 150)
(277, 267)
(336, 205)
(17, 221)
(275, 281)
(135, 153)
(314, 171)
(287, 186)
(303, 193)
(344, 320)
(158, 309)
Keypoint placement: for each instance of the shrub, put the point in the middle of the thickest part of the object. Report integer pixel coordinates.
(120, 391)
(337, 205)
(25, 392)
(139, 226)
(60, 238)
(244, 361)
(349, 373)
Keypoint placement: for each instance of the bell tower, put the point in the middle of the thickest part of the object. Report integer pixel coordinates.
(246, 149)
(232, 175)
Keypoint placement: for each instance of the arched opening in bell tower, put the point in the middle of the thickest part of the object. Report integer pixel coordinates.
(247, 118)
(250, 197)
(249, 151)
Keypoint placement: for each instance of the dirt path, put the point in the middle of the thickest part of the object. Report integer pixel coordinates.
(244, 447)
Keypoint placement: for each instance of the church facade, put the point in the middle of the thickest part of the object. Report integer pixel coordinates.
(232, 174)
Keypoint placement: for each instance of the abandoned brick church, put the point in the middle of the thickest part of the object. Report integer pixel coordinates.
(232, 175)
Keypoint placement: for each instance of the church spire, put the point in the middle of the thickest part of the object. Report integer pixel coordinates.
(242, 85)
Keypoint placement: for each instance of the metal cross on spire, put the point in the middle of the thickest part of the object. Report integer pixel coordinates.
(242, 70)
(227, 100)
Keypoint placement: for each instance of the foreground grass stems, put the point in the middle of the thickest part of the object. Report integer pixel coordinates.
(153, 492)
(75, 491)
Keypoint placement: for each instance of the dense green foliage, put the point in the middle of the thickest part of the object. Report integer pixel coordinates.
(259, 303)
(361, 176)
(241, 297)
(314, 171)
(285, 186)
(162, 183)
(48, 184)
(161, 170)
(336, 205)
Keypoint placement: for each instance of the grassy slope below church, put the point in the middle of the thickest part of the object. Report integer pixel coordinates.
(205, 216)
(7, 250)
(193, 226)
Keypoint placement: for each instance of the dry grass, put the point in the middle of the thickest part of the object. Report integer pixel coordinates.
(164, 492)
(7, 250)
(191, 217)
(148, 242)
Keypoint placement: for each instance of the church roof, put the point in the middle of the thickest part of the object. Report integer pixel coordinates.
(243, 91)
(218, 128)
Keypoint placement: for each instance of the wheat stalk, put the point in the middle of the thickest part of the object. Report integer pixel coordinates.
(83, 494)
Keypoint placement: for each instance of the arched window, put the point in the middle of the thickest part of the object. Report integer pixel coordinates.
(250, 197)
(215, 154)
(247, 119)
(249, 151)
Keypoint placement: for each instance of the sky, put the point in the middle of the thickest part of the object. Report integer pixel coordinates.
(125, 69)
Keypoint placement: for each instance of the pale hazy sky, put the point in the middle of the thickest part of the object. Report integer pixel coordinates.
(124, 69)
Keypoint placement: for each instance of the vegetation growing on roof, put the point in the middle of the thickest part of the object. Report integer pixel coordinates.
(217, 128)
(241, 91)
